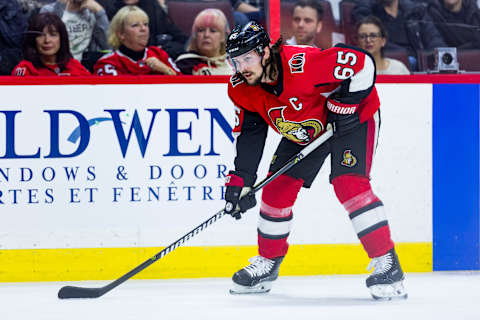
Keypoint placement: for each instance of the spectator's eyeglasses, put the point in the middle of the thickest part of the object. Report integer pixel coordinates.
(365, 36)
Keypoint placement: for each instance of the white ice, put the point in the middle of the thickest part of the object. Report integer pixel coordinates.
(438, 295)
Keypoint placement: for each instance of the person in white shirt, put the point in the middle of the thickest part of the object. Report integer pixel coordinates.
(306, 22)
(87, 24)
(372, 37)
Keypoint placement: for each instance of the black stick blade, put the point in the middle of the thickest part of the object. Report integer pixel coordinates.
(70, 292)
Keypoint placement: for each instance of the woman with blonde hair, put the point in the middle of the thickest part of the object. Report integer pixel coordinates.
(206, 49)
(128, 35)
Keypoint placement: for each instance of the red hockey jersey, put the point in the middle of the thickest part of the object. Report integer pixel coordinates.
(116, 63)
(73, 68)
(296, 105)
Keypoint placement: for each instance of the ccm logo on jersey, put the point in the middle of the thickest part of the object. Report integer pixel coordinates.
(340, 108)
(296, 62)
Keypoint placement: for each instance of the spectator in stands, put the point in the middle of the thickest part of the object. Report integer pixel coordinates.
(408, 25)
(306, 22)
(13, 24)
(206, 49)
(458, 21)
(247, 10)
(163, 32)
(46, 51)
(372, 37)
(128, 35)
(87, 25)
(30, 7)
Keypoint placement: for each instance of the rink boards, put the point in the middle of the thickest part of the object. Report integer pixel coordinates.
(97, 176)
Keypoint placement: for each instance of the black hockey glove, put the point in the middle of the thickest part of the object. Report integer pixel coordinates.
(343, 116)
(343, 124)
(238, 197)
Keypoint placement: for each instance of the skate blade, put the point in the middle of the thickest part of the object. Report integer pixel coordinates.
(262, 287)
(388, 292)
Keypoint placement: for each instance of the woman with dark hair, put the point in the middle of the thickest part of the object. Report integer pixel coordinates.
(46, 50)
(372, 37)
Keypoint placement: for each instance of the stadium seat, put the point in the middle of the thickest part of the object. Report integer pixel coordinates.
(346, 21)
(401, 55)
(183, 12)
(324, 39)
(467, 60)
(426, 60)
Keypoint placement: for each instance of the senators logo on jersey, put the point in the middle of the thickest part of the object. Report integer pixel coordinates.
(300, 132)
(349, 160)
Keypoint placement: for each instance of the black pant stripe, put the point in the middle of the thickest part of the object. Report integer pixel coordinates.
(276, 219)
(273, 237)
(365, 209)
(372, 228)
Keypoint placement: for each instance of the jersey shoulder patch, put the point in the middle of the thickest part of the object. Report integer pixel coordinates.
(296, 62)
(235, 80)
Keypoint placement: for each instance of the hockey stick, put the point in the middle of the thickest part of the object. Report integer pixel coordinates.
(70, 292)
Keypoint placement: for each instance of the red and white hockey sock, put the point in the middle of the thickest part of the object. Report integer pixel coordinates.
(276, 216)
(366, 212)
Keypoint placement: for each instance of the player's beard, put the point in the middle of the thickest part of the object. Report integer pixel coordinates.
(254, 81)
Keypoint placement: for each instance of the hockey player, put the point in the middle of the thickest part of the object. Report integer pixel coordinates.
(297, 90)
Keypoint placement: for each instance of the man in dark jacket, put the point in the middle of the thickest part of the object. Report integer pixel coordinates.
(408, 25)
(458, 21)
(13, 24)
(163, 32)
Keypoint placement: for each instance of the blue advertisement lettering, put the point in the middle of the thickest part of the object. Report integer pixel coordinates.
(135, 126)
(10, 138)
(54, 134)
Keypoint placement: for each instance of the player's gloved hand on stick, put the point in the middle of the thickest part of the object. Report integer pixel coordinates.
(238, 196)
(343, 117)
(343, 124)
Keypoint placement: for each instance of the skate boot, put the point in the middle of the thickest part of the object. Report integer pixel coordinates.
(386, 281)
(256, 277)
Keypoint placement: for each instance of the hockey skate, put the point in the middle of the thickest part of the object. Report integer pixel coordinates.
(386, 281)
(256, 277)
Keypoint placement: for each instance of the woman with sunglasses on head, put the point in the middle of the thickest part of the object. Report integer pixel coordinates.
(206, 49)
(46, 50)
(372, 37)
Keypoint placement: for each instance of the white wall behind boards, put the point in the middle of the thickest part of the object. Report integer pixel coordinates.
(110, 202)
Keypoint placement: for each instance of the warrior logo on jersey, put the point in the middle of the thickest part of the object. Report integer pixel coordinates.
(349, 160)
(296, 62)
(235, 80)
(299, 132)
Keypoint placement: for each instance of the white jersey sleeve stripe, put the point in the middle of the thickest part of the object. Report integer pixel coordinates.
(363, 79)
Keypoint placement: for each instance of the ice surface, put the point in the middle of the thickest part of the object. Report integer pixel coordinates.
(439, 295)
